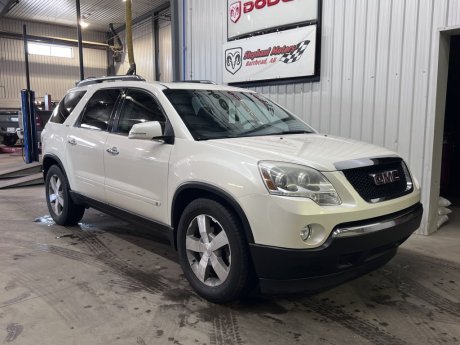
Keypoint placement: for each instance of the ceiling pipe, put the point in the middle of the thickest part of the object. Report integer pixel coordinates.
(129, 38)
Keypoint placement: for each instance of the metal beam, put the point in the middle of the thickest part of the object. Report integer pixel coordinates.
(80, 44)
(26, 55)
(6, 6)
(54, 40)
(176, 24)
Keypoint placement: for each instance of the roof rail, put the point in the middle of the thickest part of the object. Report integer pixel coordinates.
(90, 81)
(198, 81)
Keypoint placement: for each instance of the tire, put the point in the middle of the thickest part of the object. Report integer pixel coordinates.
(10, 140)
(60, 205)
(222, 251)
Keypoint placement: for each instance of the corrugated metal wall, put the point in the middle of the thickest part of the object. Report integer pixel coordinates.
(165, 51)
(144, 48)
(50, 75)
(378, 77)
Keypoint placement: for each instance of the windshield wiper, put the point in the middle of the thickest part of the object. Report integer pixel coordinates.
(300, 131)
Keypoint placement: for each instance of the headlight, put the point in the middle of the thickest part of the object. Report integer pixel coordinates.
(296, 180)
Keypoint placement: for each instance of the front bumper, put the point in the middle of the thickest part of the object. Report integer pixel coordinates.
(351, 250)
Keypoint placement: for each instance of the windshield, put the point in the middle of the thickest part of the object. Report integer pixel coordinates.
(215, 114)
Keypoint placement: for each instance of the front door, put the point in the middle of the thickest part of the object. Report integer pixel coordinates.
(137, 170)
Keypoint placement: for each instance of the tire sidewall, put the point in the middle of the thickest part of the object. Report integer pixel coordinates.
(232, 230)
(61, 219)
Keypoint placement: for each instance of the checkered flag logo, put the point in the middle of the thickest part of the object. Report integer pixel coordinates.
(296, 54)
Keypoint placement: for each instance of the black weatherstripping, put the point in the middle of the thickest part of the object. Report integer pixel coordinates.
(145, 225)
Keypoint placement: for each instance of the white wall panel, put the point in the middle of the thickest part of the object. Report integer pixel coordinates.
(378, 72)
(165, 51)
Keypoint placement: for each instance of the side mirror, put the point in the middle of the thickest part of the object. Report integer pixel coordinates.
(146, 131)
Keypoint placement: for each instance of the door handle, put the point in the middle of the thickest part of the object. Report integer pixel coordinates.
(72, 142)
(113, 151)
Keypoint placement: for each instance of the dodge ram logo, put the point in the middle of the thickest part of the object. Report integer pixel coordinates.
(386, 177)
(233, 59)
(235, 11)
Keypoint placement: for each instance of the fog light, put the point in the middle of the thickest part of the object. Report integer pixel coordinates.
(313, 234)
(305, 233)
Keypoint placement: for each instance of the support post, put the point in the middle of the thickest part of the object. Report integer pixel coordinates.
(80, 44)
(26, 55)
(176, 25)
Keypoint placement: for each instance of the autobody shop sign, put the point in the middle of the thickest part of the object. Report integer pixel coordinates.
(250, 16)
(283, 54)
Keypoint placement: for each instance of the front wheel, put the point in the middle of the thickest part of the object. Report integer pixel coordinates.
(213, 251)
(10, 140)
(60, 205)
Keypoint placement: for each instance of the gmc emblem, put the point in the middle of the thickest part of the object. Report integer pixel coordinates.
(259, 4)
(386, 177)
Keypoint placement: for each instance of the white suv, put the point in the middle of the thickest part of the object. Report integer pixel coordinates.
(245, 191)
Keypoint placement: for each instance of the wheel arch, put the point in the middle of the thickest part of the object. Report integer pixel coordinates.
(50, 160)
(188, 192)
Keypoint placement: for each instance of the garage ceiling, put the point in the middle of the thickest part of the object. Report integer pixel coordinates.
(98, 13)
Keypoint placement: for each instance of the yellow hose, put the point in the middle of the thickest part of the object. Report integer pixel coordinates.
(129, 38)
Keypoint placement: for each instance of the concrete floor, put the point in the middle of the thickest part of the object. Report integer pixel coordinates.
(100, 283)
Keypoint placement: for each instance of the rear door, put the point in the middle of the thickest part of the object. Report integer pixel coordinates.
(137, 170)
(85, 144)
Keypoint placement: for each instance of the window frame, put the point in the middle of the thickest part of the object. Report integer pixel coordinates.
(112, 114)
(116, 117)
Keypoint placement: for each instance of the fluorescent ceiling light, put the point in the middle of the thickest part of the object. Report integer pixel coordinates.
(83, 24)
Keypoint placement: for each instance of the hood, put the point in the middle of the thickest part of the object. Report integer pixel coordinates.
(314, 150)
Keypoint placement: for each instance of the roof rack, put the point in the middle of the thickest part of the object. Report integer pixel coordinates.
(198, 81)
(90, 81)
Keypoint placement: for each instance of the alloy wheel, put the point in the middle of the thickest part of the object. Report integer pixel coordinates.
(56, 195)
(208, 250)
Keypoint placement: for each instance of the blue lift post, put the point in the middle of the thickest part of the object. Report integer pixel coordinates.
(28, 112)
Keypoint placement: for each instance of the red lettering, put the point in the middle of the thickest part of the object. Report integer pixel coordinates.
(248, 6)
(261, 4)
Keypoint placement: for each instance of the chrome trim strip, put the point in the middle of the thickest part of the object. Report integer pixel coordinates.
(365, 162)
(373, 227)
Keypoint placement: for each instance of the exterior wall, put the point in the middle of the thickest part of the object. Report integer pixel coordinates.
(50, 75)
(378, 72)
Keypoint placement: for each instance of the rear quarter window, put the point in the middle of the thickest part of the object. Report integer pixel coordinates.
(66, 106)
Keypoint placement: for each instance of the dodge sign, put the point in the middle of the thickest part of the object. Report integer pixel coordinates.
(249, 16)
(284, 54)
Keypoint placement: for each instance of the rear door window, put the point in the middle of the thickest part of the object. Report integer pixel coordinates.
(99, 109)
(66, 106)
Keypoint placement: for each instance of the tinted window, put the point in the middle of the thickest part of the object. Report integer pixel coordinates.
(138, 107)
(66, 106)
(99, 108)
(215, 114)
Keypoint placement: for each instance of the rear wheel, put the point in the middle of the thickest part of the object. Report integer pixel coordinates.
(213, 251)
(60, 205)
